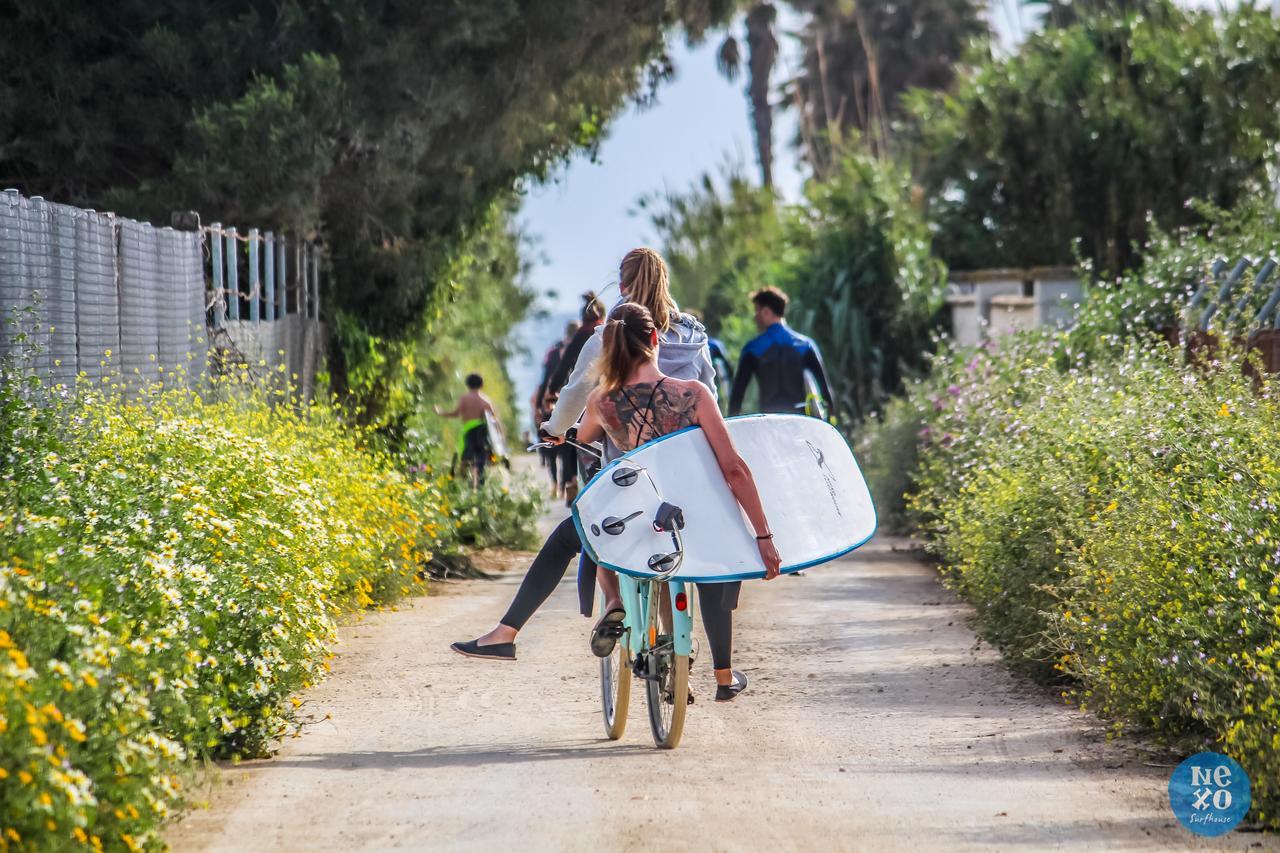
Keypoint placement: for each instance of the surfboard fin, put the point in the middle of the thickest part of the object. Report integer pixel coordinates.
(624, 476)
(614, 525)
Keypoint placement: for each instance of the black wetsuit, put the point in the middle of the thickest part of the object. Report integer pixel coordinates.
(778, 358)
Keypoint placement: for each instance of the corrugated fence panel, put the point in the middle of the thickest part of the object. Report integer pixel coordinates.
(97, 298)
(60, 299)
(15, 290)
(191, 309)
(139, 295)
(34, 234)
(171, 303)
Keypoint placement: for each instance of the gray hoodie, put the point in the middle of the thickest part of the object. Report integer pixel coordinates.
(682, 354)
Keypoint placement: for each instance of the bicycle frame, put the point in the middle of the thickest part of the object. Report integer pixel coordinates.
(638, 597)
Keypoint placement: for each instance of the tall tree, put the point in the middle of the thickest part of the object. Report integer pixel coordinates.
(762, 55)
(1074, 145)
(861, 56)
(392, 127)
(1064, 13)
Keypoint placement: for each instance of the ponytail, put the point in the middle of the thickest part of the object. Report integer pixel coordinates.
(644, 274)
(628, 340)
(592, 308)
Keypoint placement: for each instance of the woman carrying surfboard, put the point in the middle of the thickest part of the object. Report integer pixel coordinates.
(636, 402)
(682, 353)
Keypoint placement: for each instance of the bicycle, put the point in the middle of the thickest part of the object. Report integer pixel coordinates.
(655, 644)
(647, 653)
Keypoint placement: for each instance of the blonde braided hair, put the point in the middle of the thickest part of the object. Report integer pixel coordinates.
(644, 274)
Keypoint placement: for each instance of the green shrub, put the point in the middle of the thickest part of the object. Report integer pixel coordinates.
(887, 446)
(170, 572)
(867, 288)
(1075, 143)
(1115, 523)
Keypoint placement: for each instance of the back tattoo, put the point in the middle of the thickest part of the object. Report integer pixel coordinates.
(638, 413)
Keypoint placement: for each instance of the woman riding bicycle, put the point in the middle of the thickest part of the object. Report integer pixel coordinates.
(636, 402)
(682, 353)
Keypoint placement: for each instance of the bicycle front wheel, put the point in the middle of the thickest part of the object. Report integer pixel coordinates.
(668, 699)
(615, 689)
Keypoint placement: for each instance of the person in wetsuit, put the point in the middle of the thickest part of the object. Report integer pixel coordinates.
(777, 358)
(473, 444)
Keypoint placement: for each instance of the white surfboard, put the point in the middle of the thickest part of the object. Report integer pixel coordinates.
(497, 440)
(814, 495)
(814, 404)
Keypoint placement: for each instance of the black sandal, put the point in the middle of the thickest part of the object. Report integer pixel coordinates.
(604, 636)
(495, 651)
(726, 692)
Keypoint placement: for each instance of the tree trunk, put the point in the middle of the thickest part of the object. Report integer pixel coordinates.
(763, 52)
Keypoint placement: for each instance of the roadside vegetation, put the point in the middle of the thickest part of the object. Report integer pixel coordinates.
(171, 573)
(1110, 509)
(1107, 507)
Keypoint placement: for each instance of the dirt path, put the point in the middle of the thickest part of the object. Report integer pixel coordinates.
(872, 723)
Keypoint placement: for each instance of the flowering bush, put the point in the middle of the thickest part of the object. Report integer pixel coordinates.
(170, 570)
(1114, 522)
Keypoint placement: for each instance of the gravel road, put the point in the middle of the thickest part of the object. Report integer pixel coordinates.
(874, 721)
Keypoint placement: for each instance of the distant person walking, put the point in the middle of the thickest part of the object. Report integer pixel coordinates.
(778, 359)
(543, 401)
(592, 316)
(719, 360)
(473, 443)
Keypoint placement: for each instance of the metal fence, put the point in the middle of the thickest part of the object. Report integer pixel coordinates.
(264, 308)
(1239, 302)
(104, 297)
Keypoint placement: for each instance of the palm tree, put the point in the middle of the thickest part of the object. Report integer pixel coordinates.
(860, 57)
(762, 54)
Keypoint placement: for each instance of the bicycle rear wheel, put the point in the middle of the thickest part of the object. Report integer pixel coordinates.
(668, 699)
(615, 689)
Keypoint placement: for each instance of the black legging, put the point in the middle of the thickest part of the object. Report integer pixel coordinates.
(717, 600)
(547, 570)
(567, 456)
(549, 458)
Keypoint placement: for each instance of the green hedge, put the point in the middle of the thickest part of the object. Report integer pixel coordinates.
(170, 573)
(1115, 526)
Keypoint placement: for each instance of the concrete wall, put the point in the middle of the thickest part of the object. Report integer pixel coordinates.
(985, 303)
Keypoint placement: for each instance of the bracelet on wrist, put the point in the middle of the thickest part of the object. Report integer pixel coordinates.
(766, 536)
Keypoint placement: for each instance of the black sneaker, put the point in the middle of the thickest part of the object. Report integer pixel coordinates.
(726, 692)
(495, 651)
(606, 633)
